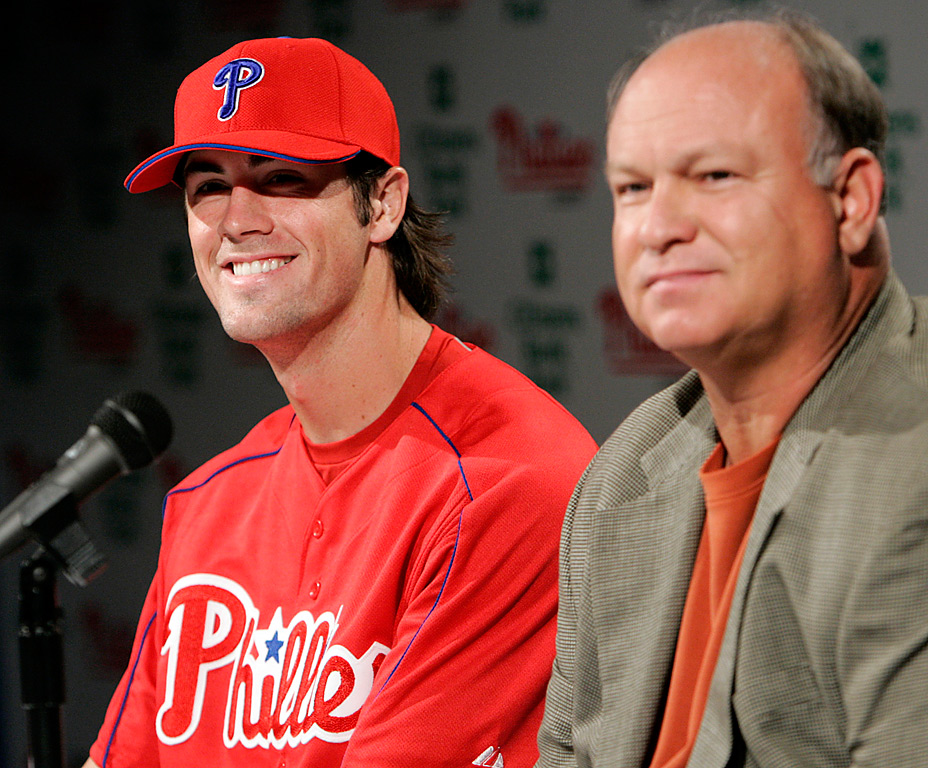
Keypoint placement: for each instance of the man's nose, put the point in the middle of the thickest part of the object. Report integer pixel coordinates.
(667, 218)
(245, 213)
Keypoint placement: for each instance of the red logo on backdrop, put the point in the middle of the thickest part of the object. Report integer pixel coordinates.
(25, 467)
(101, 334)
(171, 469)
(110, 637)
(543, 159)
(628, 352)
(455, 321)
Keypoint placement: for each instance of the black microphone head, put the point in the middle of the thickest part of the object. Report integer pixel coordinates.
(138, 424)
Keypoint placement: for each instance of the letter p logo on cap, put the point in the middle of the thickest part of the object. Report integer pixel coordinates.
(234, 77)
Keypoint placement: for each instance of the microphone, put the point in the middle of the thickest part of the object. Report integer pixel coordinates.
(127, 432)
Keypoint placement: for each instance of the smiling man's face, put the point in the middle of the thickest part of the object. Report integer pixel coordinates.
(277, 245)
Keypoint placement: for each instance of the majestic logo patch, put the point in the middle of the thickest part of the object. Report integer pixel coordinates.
(234, 78)
(286, 685)
(491, 757)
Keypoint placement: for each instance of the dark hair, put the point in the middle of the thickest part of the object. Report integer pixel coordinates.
(845, 105)
(417, 247)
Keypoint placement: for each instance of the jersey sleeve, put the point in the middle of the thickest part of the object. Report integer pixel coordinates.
(127, 737)
(464, 684)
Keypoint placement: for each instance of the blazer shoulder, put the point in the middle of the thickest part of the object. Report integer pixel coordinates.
(667, 432)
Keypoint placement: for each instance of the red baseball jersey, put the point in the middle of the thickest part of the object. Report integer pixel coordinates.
(385, 601)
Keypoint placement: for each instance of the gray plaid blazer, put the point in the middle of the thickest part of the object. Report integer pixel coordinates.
(824, 659)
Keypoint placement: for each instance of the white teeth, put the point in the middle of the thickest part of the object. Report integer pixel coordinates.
(256, 267)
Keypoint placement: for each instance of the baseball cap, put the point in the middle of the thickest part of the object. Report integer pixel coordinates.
(301, 100)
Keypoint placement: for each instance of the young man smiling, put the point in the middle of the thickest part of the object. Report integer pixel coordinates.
(369, 577)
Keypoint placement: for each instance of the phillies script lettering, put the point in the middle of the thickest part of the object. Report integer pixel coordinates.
(285, 685)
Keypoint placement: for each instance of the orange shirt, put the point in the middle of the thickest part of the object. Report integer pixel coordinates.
(731, 497)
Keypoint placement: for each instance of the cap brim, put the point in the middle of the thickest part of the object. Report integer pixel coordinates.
(158, 170)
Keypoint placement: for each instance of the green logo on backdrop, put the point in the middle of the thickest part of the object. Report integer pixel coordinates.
(179, 318)
(442, 88)
(525, 10)
(874, 56)
(544, 326)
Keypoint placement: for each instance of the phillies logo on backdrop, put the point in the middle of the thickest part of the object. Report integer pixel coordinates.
(234, 78)
(286, 685)
(543, 159)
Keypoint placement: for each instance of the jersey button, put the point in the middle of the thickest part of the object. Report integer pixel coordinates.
(318, 528)
(314, 590)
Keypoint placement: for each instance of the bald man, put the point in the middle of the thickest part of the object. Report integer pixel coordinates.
(745, 562)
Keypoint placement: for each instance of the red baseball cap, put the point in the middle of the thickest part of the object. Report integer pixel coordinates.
(301, 100)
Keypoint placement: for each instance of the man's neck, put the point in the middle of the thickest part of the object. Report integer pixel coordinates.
(752, 404)
(347, 376)
(748, 421)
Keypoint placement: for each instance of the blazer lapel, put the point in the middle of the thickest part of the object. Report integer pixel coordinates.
(648, 540)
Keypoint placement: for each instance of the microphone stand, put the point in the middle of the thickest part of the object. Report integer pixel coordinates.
(41, 659)
(65, 546)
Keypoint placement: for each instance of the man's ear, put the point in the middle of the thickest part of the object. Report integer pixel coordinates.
(389, 204)
(858, 186)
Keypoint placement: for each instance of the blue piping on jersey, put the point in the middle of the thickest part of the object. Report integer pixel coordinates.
(223, 469)
(138, 657)
(219, 471)
(454, 551)
(447, 440)
(122, 705)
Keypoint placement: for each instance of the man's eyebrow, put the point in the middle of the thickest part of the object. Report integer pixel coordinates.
(207, 166)
(256, 160)
(722, 151)
(200, 166)
(613, 167)
(622, 170)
